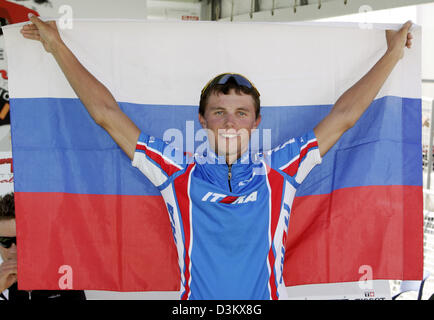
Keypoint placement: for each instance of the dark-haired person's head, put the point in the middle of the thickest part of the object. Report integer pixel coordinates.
(223, 84)
(229, 109)
(8, 248)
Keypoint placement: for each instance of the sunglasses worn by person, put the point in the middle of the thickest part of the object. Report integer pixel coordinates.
(6, 242)
(224, 78)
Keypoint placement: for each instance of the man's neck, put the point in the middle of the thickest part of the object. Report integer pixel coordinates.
(231, 159)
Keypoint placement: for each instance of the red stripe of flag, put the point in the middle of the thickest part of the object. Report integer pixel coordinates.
(317, 245)
(384, 235)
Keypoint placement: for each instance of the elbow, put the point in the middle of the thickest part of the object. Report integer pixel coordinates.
(348, 114)
(101, 113)
(347, 118)
(98, 118)
(349, 110)
(349, 123)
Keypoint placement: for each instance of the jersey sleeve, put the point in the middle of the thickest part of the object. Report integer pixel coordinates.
(297, 156)
(157, 159)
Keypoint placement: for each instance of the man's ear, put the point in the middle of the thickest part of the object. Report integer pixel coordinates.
(257, 121)
(202, 121)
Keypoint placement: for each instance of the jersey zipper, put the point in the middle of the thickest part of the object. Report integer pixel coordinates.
(229, 178)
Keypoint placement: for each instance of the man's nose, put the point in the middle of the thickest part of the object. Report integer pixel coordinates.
(230, 120)
(13, 248)
(11, 253)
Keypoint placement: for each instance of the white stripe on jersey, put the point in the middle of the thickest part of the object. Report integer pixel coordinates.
(282, 228)
(153, 172)
(169, 199)
(312, 158)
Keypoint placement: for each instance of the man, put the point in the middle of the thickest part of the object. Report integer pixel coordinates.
(8, 262)
(229, 212)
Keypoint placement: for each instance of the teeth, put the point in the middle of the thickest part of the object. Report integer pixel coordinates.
(227, 135)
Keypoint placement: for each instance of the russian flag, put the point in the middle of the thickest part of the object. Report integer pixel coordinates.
(80, 203)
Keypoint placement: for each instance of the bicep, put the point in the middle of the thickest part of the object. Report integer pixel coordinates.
(330, 129)
(122, 129)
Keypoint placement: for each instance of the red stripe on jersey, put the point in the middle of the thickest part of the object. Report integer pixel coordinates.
(276, 182)
(165, 165)
(181, 184)
(292, 168)
(228, 199)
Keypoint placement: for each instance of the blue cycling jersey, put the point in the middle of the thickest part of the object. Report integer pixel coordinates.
(229, 223)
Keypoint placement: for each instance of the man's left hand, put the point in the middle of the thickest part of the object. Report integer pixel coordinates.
(398, 40)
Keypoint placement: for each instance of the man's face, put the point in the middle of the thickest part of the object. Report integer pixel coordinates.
(8, 229)
(230, 118)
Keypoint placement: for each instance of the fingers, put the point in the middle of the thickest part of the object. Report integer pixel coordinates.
(407, 26)
(28, 27)
(30, 31)
(406, 30)
(8, 274)
(36, 21)
(12, 278)
(37, 24)
(409, 43)
(38, 38)
(31, 34)
(9, 263)
(8, 267)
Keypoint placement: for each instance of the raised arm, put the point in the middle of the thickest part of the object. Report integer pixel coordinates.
(353, 103)
(97, 99)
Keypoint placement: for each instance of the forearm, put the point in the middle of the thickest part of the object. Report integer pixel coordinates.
(93, 94)
(353, 103)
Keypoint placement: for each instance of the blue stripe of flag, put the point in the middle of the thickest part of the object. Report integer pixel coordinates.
(58, 148)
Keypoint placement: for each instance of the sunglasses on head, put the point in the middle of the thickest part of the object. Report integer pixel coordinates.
(224, 78)
(6, 242)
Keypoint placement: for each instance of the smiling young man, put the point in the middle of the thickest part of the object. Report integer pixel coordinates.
(229, 213)
(229, 108)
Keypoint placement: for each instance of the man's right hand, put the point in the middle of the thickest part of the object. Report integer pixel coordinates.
(8, 274)
(46, 32)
